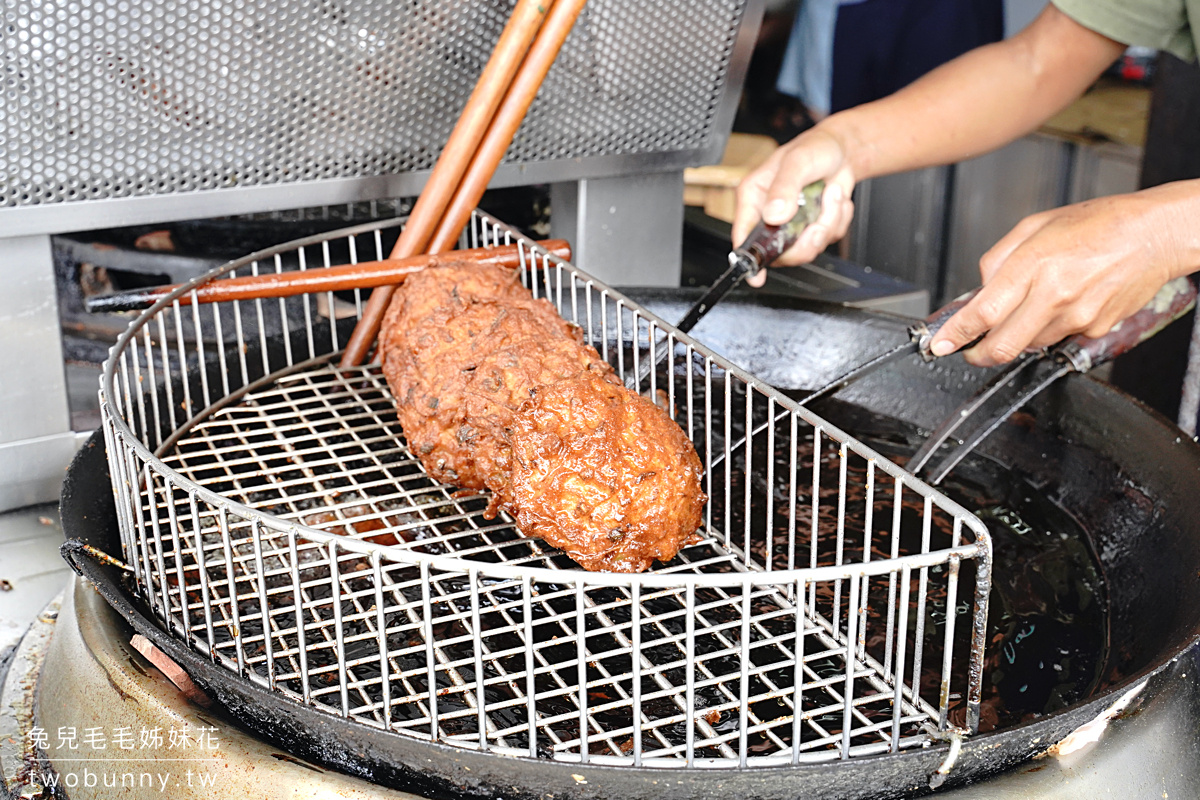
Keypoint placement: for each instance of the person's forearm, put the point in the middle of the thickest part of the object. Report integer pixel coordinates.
(1178, 204)
(978, 102)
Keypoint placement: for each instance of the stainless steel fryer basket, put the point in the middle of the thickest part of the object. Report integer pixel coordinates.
(272, 517)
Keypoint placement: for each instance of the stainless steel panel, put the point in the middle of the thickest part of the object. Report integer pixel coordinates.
(625, 231)
(898, 224)
(32, 383)
(909, 304)
(993, 193)
(36, 442)
(176, 96)
(32, 470)
(122, 211)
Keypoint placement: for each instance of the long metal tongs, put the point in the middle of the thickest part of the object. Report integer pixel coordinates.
(1005, 394)
(920, 335)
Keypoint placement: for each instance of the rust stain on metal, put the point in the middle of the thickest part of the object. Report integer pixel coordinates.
(173, 671)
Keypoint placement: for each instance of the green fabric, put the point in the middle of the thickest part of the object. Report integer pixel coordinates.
(1162, 24)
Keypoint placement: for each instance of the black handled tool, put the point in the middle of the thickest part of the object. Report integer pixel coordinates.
(920, 336)
(764, 244)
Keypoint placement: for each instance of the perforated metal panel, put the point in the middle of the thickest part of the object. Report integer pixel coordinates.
(144, 97)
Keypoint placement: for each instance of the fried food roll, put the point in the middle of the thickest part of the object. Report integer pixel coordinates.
(604, 475)
(494, 390)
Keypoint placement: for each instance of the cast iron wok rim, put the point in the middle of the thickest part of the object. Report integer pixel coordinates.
(1008, 746)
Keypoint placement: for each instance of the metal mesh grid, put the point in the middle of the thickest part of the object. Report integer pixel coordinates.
(283, 528)
(162, 96)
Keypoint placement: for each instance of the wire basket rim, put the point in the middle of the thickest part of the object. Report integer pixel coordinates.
(979, 547)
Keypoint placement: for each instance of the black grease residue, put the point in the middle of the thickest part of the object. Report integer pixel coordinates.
(1047, 638)
(1047, 620)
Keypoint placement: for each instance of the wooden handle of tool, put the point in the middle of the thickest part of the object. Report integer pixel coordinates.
(473, 123)
(364, 275)
(1171, 302)
(508, 118)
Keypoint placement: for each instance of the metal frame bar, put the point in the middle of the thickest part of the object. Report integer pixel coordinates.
(318, 558)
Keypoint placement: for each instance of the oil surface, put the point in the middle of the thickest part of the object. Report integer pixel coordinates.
(1047, 640)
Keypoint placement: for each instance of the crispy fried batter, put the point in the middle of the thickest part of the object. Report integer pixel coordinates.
(480, 371)
(604, 475)
(452, 288)
(460, 376)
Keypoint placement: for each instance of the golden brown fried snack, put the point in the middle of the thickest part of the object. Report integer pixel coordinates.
(603, 474)
(479, 367)
(452, 288)
(506, 380)
(460, 375)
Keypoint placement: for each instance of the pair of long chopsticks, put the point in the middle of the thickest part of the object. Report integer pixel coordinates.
(363, 275)
(484, 131)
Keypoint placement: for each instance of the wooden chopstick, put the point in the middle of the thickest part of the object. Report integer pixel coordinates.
(559, 21)
(364, 275)
(504, 126)
(473, 123)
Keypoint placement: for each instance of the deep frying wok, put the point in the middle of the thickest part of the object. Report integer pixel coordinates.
(1119, 469)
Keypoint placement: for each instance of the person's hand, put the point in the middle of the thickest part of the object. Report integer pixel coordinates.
(1077, 269)
(772, 192)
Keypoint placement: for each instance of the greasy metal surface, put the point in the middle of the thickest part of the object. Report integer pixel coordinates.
(31, 571)
(834, 280)
(182, 96)
(1148, 750)
(147, 739)
(282, 528)
(18, 688)
(1123, 471)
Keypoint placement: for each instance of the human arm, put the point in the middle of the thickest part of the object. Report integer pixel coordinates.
(1077, 269)
(971, 105)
